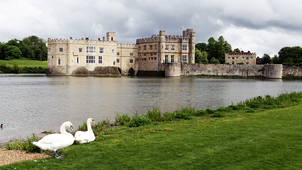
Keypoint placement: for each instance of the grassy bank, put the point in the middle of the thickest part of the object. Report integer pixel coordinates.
(259, 133)
(23, 66)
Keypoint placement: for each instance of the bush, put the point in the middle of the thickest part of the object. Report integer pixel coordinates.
(154, 115)
(181, 115)
(122, 119)
(139, 121)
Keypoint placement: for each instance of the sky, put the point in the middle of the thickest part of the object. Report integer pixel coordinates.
(260, 26)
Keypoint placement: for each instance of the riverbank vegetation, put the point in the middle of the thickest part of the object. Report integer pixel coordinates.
(259, 133)
(23, 65)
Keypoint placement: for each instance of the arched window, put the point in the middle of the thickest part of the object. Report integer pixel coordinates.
(59, 61)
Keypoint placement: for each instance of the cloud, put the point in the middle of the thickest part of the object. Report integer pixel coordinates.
(262, 26)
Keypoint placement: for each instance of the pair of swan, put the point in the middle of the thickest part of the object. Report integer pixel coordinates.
(54, 142)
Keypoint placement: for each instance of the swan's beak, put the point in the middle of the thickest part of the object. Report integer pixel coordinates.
(72, 129)
(93, 121)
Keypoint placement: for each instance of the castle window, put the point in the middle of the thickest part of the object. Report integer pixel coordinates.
(59, 61)
(154, 58)
(166, 58)
(233, 58)
(111, 38)
(145, 54)
(184, 47)
(184, 58)
(52, 57)
(80, 50)
(247, 62)
(242, 57)
(117, 53)
(131, 61)
(90, 59)
(247, 58)
(90, 49)
(112, 51)
(145, 47)
(232, 62)
(151, 54)
(172, 58)
(100, 59)
(251, 57)
(150, 47)
(113, 62)
(155, 47)
(78, 59)
(131, 54)
(151, 58)
(60, 49)
(167, 47)
(102, 50)
(172, 47)
(237, 57)
(229, 57)
(117, 60)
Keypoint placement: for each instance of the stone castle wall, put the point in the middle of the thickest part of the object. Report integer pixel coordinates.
(268, 71)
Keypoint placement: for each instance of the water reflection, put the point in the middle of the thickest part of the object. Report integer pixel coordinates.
(31, 104)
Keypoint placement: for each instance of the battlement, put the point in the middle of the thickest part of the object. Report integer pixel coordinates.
(168, 38)
(79, 41)
(126, 46)
(241, 53)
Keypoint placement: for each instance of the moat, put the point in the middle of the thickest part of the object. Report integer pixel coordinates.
(34, 103)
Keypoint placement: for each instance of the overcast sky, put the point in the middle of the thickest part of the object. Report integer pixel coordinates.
(261, 26)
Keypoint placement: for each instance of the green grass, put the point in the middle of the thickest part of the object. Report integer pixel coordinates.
(24, 63)
(247, 136)
(23, 66)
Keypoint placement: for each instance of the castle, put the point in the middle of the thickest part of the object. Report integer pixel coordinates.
(107, 57)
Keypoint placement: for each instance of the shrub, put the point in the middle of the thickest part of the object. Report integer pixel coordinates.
(154, 115)
(122, 119)
(218, 114)
(200, 113)
(181, 115)
(26, 145)
(139, 121)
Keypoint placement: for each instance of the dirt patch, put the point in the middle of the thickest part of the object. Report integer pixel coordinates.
(12, 156)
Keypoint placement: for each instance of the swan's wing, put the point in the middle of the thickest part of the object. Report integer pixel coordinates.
(53, 138)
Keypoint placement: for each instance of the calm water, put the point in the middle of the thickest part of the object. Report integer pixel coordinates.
(34, 103)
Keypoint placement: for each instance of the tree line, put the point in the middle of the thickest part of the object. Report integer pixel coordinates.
(31, 47)
(214, 51)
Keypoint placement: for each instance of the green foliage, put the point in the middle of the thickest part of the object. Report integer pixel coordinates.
(139, 121)
(214, 61)
(31, 47)
(26, 145)
(266, 59)
(154, 115)
(290, 55)
(12, 52)
(122, 119)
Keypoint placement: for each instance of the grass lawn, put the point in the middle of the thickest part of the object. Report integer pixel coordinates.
(24, 62)
(261, 140)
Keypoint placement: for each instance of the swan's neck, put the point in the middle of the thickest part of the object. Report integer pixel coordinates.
(88, 126)
(63, 130)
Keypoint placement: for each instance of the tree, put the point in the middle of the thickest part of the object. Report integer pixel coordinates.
(276, 60)
(236, 50)
(12, 52)
(201, 57)
(266, 59)
(291, 55)
(214, 61)
(201, 46)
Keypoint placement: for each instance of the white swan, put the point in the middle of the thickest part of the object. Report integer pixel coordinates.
(84, 137)
(53, 142)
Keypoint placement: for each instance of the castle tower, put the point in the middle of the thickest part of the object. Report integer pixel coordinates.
(110, 36)
(191, 35)
(161, 46)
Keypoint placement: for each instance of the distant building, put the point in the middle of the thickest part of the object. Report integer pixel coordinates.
(71, 56)
(246, 58)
